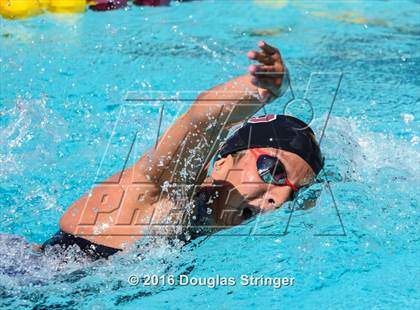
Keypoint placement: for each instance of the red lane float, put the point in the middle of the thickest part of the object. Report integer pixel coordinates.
(106, 5)
(151, 2)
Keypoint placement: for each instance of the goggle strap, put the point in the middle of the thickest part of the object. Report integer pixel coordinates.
(291, 185)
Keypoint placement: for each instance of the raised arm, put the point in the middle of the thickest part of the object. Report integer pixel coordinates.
(209, 118)
(105, 215)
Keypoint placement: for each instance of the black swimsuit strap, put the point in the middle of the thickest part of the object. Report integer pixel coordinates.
(95, 251)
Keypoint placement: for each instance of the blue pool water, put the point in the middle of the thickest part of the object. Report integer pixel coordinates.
(64, 81)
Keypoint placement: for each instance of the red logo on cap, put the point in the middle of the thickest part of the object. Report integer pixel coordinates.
(262, 119)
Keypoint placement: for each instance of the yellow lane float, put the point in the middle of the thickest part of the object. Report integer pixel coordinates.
(14, 9)
(44, 3)
(67, 6)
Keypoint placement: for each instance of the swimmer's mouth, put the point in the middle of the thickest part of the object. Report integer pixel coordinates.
(244, 212)
(249, 212)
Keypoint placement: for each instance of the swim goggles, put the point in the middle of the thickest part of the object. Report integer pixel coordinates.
(271, 170)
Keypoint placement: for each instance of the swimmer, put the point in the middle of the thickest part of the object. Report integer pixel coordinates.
(260, 166)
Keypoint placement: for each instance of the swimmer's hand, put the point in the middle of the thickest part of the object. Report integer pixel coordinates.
(270, 75)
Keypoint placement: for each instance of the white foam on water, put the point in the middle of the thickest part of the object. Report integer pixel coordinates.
(354, 156)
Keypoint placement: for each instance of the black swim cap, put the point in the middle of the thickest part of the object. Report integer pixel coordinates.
(277, 131)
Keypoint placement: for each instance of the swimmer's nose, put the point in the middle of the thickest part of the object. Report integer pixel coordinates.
(275, 197)
(270, 202)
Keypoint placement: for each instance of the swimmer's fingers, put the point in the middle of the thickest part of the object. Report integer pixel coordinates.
(269, 74)
(272, 53)
(267, 56)
(265, 71)
(267, 48)
(261, 57)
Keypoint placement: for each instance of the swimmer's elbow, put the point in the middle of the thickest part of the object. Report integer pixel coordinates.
(205, 107)
(66, 224)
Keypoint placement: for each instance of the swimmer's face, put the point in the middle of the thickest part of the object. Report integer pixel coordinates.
(248, 194)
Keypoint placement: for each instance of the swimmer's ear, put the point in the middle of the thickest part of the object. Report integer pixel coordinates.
(223, 163)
